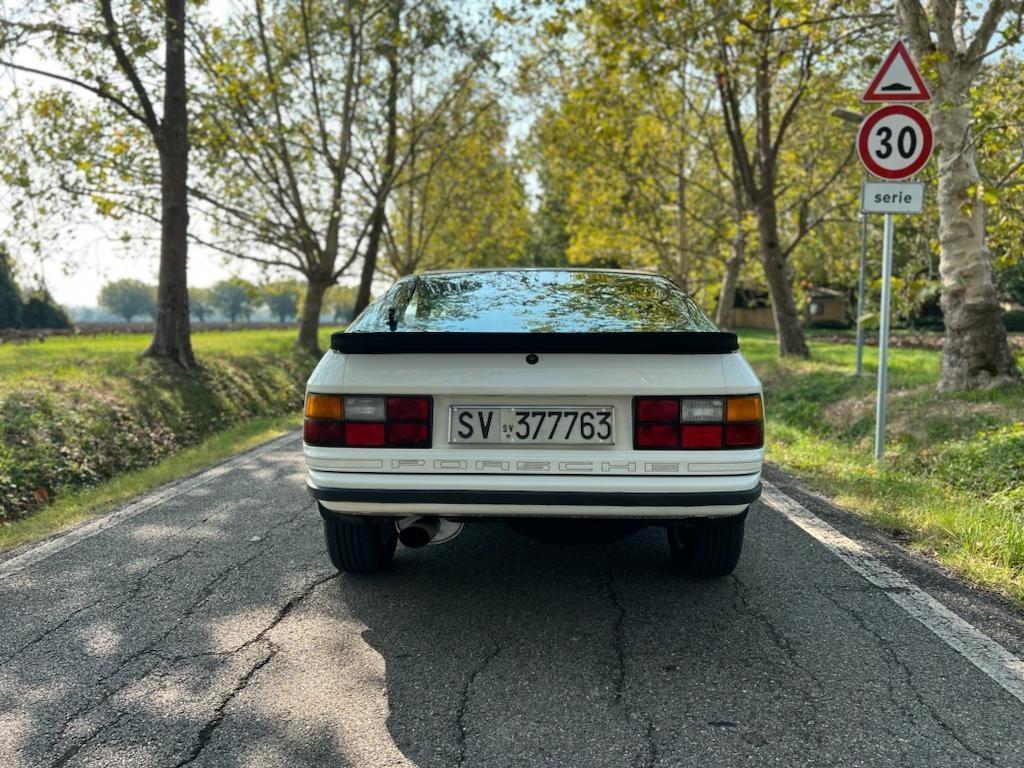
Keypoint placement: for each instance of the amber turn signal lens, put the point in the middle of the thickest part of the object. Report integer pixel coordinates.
(324, 407)
(744, 409)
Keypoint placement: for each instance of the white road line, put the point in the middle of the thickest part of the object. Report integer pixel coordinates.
(173, 490)
(966, 639)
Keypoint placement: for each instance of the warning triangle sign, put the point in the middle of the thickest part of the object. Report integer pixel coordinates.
(897, 79)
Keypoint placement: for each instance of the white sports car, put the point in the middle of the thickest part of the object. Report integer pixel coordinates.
(536, 397)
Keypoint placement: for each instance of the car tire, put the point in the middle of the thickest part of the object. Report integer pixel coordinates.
(360, 547)
(708, 548)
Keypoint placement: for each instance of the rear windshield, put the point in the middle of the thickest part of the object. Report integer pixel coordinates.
(535, 301)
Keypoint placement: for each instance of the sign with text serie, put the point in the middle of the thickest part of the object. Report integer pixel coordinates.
(891, 197)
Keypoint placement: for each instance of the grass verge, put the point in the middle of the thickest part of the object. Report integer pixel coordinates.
(81, 505)
(79, 412)
(951, 483)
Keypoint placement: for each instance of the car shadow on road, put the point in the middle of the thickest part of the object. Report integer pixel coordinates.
(503, 651)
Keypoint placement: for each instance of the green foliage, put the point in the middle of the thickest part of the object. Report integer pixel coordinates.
(200, 303)
(989, 462)
(459, 201)
(1014, 321)
(282, 298)
(128, 298)
(110, 412)
(632, 153)
(41, 311)
(340, 301)
(953, 470)
(234, 298)
(1009, 277)
(997, 106)
(82, 504)
(104, 156)
(10, 296)
(549, 227)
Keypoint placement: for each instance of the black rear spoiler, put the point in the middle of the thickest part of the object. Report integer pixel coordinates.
(657, 343)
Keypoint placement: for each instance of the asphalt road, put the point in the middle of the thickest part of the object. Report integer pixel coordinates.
(207, 628)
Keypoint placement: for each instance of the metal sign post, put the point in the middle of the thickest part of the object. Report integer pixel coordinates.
(883, 339)
(894, 143)
(860, 292)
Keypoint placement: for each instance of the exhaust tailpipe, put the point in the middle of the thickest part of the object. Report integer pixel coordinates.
(420, 532)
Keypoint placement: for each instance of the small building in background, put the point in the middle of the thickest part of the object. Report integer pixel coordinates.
(823, 307)
(752, 309)
(826, 307)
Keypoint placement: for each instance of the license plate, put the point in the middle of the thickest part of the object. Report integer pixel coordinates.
(533, 424)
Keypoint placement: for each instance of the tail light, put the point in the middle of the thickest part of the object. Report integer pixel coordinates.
(698, 423)
(359, 421)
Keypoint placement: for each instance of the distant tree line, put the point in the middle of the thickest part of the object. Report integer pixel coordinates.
(30, 309)
(234, 298)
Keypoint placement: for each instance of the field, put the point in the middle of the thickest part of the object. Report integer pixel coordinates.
(952, 480)
(77, 412)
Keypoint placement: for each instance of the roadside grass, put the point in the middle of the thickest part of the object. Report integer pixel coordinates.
(79, 412)
(951, 483)
(71, 359)
(81, 505)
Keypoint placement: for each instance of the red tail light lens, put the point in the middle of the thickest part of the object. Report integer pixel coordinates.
(408, 409)
(657, 436)
(364, 434)
(698, 423)
(657, 409)
(364, 421)
(701, 435)
(409, 434)
(744, 435)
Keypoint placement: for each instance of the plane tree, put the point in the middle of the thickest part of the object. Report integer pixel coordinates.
(953, 40)
(299, 102)
(112, 127)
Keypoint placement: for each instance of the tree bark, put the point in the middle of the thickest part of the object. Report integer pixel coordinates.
(727, 294)
(682, 229)
(387, 173)
(975, 354)
(309, 322)
(172, 331)
(780, 288)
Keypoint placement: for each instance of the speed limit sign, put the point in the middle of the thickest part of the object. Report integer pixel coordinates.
(895, 142)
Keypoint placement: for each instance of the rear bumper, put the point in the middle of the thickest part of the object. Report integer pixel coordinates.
(532, 496)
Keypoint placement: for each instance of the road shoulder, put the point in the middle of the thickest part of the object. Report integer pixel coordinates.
(996, 615)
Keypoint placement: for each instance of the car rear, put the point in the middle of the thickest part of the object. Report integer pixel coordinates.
(533, 394)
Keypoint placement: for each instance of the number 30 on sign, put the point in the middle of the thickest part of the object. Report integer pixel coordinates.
(895, 142)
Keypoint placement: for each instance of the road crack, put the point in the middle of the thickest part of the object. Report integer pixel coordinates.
(211, 725)
(895, 661)
(464, 697)
(201, 596)
(73, 751)
(209, 728)
(814, 689)
(648, 754)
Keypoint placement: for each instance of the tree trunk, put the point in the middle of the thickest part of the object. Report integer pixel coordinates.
(682, 230)
(309, 322)
(387, 172)
(171, 331)
(975, 354)
(727, 295)
(787, 319)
